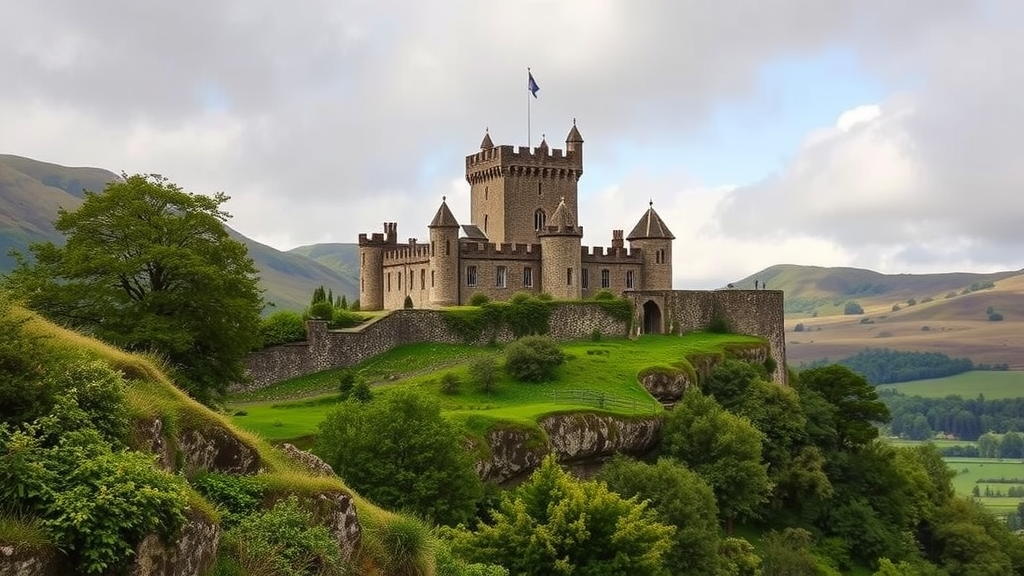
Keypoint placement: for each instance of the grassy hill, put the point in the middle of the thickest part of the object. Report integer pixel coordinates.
(945, 313)
(32, 192)
(340, 257)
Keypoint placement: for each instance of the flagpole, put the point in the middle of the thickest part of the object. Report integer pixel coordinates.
(529, 140)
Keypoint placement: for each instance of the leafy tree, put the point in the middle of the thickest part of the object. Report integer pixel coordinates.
(799, 327)
(680, 498)
(852, 308)
(23, 397)
(788, 553)
(282, 327)
(149, 267)
(483, 371)
(725, 449)
(450, 383)
(854, 404)
(1011, 445)
(533, 358)
(886, 567)
(555, 524)
(738, 558)
(400, 451)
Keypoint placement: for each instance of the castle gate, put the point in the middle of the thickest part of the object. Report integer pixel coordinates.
(652, 318)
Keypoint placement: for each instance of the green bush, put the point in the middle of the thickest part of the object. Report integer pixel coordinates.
(479, 299)
(282, 327)
(345, 319)
(719, 325)
(321, 311)
(595, 335)
(361, 392)
(285, 541)
(484, 372)
(533, 358)
(852, 308)
(604, 295)
(995, 317)
(450, 383)
(799, 327)
(235, 496)
(346, 383)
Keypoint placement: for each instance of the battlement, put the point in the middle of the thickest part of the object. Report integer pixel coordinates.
(503, 251)
(617, 242)
(522, 160)
(388, 238)
(408, 254)
(597, 255)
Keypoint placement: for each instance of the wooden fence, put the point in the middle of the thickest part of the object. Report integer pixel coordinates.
(605, 401)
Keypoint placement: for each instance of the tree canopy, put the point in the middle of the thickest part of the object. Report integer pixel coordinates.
(150, 267)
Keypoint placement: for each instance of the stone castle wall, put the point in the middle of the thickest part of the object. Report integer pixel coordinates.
(755, 312)
(326, 349)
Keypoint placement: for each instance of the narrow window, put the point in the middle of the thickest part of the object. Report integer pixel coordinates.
(502, 276)
(629, 279)
(431, 278)
(431, 247)
(447, 247)
(470, 275)
(585, 278)
(606, 278)
(527, 277)
(423, 279)
(485, 223)
(539, 191)
(540, 219)
(363, 255)
(485, 192)
(568, 276)
(400, 280)
(362, 284)
(389, 281)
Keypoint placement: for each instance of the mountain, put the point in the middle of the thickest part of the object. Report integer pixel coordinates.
(342, 258)
(32, 192)
(947, 313)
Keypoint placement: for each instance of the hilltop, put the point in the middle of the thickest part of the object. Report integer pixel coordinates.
(32, 192)
(947, 313)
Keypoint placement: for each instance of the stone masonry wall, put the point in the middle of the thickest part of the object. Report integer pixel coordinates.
(755, 312)
(326, 349)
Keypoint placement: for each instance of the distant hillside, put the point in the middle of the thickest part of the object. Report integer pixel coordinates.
(342, 258)
(32, 192)
(947, 313)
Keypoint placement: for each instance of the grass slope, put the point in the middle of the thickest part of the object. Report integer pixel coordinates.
(340, 257)
(608, 367)
(993, 385)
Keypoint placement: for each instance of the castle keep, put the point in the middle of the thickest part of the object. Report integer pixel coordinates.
(524, 236)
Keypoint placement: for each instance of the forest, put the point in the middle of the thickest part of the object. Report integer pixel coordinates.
(886, 366)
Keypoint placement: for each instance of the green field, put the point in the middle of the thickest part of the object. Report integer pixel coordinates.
(970, 470)
(968, 385)
(608, 367)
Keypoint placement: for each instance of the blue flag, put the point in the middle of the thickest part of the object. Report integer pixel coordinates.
(532, 84)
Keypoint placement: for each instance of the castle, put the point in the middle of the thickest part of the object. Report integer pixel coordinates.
(524, 236)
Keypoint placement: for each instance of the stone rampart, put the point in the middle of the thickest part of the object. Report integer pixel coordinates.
(326, 349)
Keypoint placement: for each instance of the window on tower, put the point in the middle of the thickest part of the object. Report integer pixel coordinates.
(485, 223)
(502, 277)
(540, 219)
(568, 276)
(629, 279)
(606, 278)
(423, 278)
(470, 275)
(585, 278)
(527, 277)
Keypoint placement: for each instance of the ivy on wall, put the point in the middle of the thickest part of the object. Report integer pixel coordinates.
(523, 315)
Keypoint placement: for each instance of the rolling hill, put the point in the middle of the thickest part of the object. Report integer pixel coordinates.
(947, 313)
(32, 192)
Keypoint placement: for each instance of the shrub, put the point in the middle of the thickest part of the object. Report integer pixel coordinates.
(926, 299)
(484, 373)
(408, 303)
(545, 296)
(346, 383)
(533, 358)
(852, 308)
(719, 325)
(282, 327)
(345, 319)
(235, 496)
(595, 335)
(361, 392)
(770, 365)
(925, 328)
(321, 311)
(896, 307)
(911, 302)
(400, 543)
(450, 383)
(354, 307)
(799, 327)
(604, 295)
(479, 299)
(995, 317)
(866, 320)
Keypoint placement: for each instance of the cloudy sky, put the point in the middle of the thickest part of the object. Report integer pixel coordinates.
(873, 133)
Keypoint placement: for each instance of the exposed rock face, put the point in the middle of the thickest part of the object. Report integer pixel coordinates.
(571, 438)
(155, 441)
(666, 386)
(514, 452)
(216, 449)
(311, 462)
(15, 561)
(338, 513)
(190, 554)
(586, 436)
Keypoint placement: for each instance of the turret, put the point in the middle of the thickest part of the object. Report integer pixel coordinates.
(574, 142)
(371, 266)
(653, 238)
(560, 254)
(444, 257)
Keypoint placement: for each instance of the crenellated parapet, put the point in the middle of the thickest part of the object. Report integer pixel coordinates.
(507, 160)
(408, 254)
(388, 238)
(612, 255)
(503, 251)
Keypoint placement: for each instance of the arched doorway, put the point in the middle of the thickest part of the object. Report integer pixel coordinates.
(652, 318)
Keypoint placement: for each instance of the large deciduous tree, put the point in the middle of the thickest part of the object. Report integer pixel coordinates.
(402, 453)
(150, 267)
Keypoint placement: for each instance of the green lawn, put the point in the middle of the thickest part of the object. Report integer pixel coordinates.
(607, 367)
(970, 470)
(993, 385)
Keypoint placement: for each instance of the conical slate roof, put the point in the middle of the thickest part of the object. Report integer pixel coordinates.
(561, 223)
(444, 217)
(650, 226)
(574, 134)
(486, 144)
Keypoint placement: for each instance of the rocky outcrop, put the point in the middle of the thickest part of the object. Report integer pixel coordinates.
(25, 561)
(191, 553)
(667, 385)
(577, 437)
(154, 439)
(309, 461)
(337, 511)
(216, 449)
(514, 452)
(582, 436)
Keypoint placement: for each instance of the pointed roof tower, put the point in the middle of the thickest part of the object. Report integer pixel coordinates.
(561, 223)
(486, 143)
(444, 217)
(650, 226)
(543, 144)
(574, 136)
